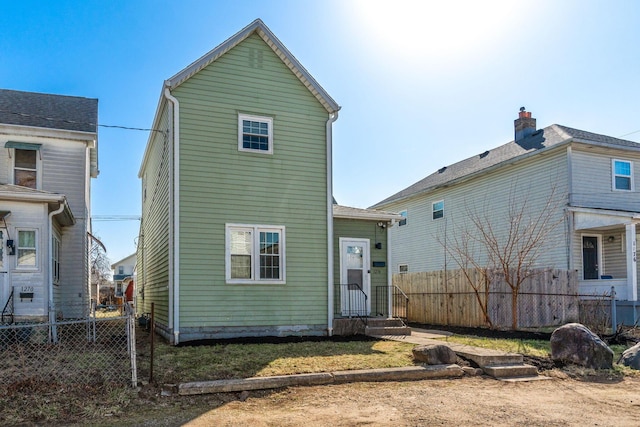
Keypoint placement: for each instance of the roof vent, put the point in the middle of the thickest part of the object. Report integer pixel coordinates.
(485, 154)
(442, 169)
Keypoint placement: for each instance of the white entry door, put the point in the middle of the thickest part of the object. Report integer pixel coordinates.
(355, 284)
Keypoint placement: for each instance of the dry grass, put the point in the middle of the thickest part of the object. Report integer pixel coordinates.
(242, 360)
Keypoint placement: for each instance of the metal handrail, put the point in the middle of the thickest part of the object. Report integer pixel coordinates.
(400, 292)
(9, 312)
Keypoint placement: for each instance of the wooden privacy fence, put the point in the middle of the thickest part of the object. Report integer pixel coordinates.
(548, 297)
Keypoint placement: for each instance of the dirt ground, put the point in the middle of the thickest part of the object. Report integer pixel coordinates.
(468, 401)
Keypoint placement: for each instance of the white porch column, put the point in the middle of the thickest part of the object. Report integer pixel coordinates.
(632, 272)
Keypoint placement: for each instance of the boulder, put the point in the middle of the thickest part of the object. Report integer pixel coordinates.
(575, 343)
(434, 354)
(631, 357)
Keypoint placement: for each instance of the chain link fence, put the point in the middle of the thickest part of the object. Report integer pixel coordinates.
(97, 350)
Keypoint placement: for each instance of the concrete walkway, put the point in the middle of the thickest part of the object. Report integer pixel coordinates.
(482, 356)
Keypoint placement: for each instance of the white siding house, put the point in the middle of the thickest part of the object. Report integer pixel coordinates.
(48, 153)
(591, 180)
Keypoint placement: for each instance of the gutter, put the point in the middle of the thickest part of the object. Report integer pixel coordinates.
(174, 217)
(52, 313)
(332, 118)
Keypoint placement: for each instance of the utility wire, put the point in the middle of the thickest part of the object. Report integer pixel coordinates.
(630, 133)
(115, 217)
(81, 123)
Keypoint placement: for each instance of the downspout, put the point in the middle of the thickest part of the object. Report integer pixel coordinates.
(389, 269)
(52, 312)
(332, 118)
(174, 216)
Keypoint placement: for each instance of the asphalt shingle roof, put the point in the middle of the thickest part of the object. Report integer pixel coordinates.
(48, 111)
(541, 139)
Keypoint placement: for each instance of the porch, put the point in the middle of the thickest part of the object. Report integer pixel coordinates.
(604, 252)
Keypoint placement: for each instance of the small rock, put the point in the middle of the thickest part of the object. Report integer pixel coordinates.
(631, 357)
(243, 396)
(472, 371)
(434, 354)
(575, 343)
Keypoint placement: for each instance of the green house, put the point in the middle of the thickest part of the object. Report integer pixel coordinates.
(237, 234)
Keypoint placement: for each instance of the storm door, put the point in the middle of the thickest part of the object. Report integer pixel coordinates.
(590, 256)
(355, 286)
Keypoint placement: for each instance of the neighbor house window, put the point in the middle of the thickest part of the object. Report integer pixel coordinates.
(255, 133)
(403, 221)
(121, 269)
(27, 248)
(255, 254)
(437, 209)
(403, 268)
(622, 175)
(25, 170)
(55, 259)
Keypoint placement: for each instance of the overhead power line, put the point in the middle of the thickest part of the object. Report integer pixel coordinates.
(74, 122)
(115, 217)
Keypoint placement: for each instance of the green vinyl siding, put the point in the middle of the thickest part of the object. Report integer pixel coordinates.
(364, 229)
(153, 242)
(221, 185)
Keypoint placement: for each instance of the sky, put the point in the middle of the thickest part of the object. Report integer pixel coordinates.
(422, 84)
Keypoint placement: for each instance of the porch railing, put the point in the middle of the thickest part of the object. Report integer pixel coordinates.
(400, 302)
(350, 300)
(7, 311)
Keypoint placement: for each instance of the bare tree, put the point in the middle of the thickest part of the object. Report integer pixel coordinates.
(508, 246)
(100, 266)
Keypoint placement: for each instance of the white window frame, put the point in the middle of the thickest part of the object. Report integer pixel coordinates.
(255, 256)
(400, 268)
(614, 175)
(433, 210)
(254, 118)
(404, 214)
(38, 168)
(55, 259)
(18, 248)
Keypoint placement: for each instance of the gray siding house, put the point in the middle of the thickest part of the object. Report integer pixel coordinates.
(592, 180)
(48, 153)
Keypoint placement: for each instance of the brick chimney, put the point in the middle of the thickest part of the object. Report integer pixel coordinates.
(524, 125)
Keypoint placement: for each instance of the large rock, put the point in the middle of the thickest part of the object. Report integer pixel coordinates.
(434, 354)
(631, 357)
(575, 343)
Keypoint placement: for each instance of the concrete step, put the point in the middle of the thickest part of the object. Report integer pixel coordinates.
(511, 370)
(486, 357)
(387, 330)
(378, 322)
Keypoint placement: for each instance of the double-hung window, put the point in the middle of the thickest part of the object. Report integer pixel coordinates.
(25, 170)
(403, 221)
(55, 259)
(255, 133)
(622, 175)
(437, 209)
(255, 254)
(27, 249)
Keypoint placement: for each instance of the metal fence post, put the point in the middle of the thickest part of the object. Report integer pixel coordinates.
(614, 320)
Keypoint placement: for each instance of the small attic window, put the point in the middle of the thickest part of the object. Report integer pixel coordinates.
(442, 169)
(485, 154)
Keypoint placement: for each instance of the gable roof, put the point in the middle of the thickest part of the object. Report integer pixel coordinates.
(49, 111)
(541, 140)
(258, 27)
